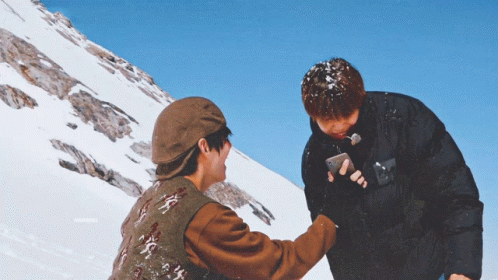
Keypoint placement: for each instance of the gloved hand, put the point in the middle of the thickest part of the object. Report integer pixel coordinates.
(355, 177)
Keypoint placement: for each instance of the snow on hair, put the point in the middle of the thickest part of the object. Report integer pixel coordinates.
(332, 89)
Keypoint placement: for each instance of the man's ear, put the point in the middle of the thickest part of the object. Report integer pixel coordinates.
(203, 145)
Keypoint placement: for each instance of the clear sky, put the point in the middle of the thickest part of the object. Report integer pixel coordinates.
(249, 58)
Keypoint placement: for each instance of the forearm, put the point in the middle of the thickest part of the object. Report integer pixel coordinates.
(227, 246)
(300, 256)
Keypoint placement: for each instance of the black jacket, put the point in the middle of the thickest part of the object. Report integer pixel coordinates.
(420, 215)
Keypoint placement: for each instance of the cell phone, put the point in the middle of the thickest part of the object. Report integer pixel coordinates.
(335, 163)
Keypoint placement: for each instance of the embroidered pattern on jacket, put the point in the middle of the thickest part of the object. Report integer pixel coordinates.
(150, 241)
(123, 255)
(142, 212)
(171, 200)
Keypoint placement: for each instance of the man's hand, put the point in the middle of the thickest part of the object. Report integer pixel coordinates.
(458, 277)
(355, 177)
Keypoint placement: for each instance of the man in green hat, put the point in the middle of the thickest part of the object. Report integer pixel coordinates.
(174, 231)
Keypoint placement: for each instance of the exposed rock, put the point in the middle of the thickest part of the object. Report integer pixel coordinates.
(230, 195)
(67, 37)
(41, 71)
(111, 58)
(13, 11)
(37, 68)
(132, 159)
(258, 213)
(128, 75)
(105, 117)
(113, 63)
(16, 98)
(108, 58)
(63, 19)
(39, 4)
(149, 94)
(129, 67)
(101, 53)
(109, 69)
(152, 173)
(84, 165)
(143, 149)
(72, 125)
(65, 27)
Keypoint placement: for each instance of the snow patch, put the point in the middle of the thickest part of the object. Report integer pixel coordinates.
(46, 63)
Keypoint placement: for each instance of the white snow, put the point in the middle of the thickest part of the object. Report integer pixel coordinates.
(58, 224)
(48, 64)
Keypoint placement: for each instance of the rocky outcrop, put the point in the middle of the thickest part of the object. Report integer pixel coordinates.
(113, 63)
(143, 149)
(84, 165)
(63, 19)
(65, 27)
(108, 60)
(72, 125)
(34, 66)
(149, 93)
(230, 195)
(41, 71)
(16, 98)
(105, 117)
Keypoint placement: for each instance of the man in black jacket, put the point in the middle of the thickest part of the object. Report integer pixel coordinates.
(417, 215)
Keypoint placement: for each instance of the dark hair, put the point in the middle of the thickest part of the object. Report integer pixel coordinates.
(332, 90)
(214, 140)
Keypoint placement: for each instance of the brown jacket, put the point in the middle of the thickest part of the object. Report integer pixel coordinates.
(174, 230)
(219, 240)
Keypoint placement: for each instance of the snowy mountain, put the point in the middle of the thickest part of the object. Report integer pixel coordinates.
(75, 127)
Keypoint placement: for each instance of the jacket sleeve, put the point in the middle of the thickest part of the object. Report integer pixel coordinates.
(219, 240)
(441, 177)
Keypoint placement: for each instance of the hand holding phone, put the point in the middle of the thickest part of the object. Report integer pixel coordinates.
(335, 163)
(342, 164)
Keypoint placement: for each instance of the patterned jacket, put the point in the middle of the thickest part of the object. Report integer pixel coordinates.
(175, 232)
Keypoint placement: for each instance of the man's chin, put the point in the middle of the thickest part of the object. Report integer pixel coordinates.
(339, 136)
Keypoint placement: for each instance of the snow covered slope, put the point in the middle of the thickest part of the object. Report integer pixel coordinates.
(75, 128)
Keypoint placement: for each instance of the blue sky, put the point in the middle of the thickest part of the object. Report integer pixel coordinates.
(249, 58)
